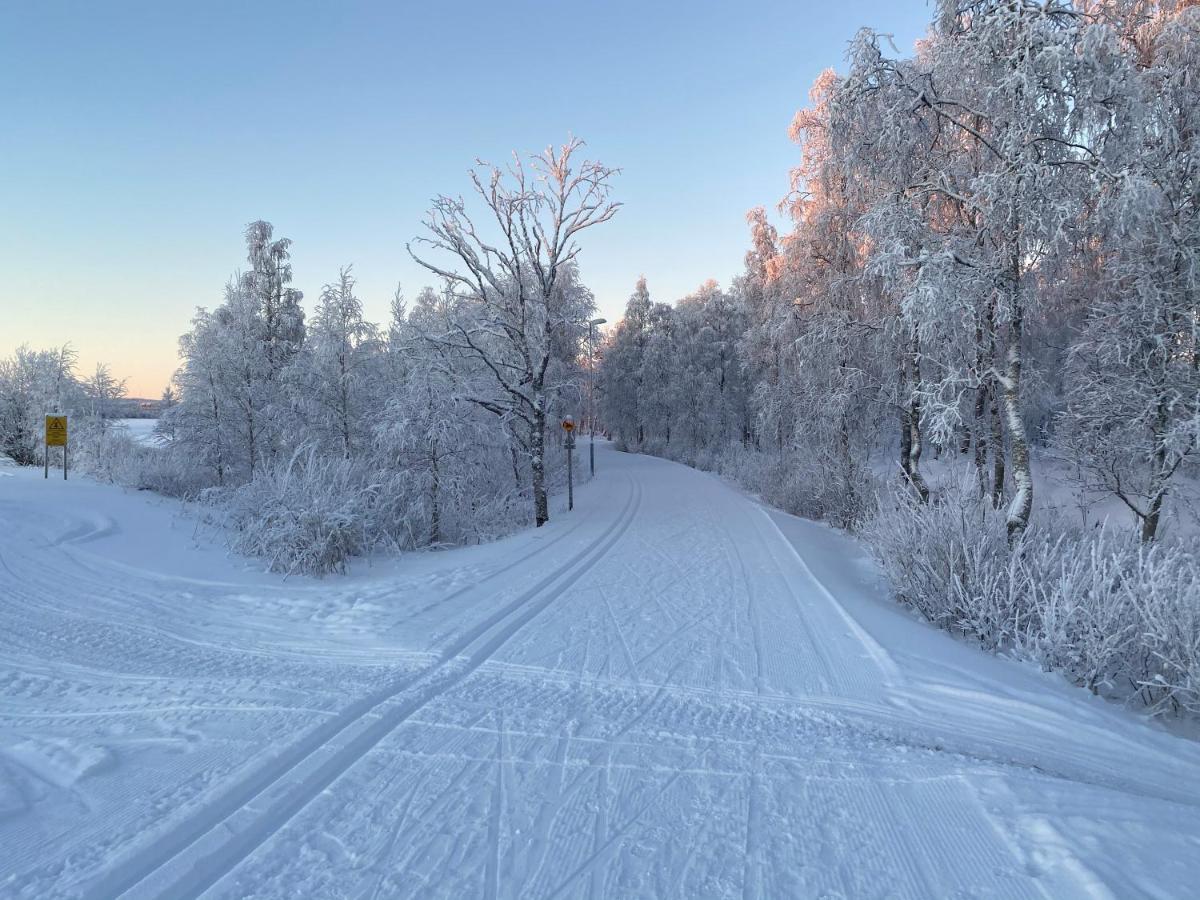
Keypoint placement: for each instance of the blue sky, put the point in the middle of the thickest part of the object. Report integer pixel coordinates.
(139, 138)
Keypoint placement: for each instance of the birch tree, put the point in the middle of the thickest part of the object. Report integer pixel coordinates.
(509, 260)
(1133, 418)
(1010, 81)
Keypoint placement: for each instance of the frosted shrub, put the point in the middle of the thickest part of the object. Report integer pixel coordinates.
(165, 471)
(1100, 607)
(948, 560)
(309, 514)
(838, 491)
(469, 510)
(400, 510)
(111, 455)
(796, 483)
(1164, 591)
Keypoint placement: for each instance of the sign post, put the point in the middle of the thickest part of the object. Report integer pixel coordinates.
(56, 436)
(569, 427)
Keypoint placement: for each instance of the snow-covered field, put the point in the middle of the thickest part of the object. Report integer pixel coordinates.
(141, 430)
(669, 692)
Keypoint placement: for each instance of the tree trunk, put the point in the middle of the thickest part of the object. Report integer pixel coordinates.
(1158, 475)
(914, 422)
(910, 423)
(849, 517)
(251, 438)
(982, 365)
(1022, 502)
(435, 510)
(537, 446)
(212, 387)
(516, 463)
(1150, 520)
(914, 452)
(997, 450)
(345, 417)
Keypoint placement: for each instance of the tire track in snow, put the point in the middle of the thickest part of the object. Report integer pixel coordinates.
(371, 718)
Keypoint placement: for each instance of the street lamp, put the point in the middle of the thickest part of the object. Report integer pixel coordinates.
(591, 391)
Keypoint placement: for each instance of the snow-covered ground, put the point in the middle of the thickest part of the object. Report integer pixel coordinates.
(669, 692)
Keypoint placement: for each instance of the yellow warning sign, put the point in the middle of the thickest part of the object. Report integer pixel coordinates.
(56, 431)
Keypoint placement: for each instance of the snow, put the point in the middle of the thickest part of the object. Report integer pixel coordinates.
(671, 691)
(141, 430)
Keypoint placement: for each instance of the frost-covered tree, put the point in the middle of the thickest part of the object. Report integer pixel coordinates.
(444, 444)
(233, 409)
(622, 378)
(508, 262)
(199, 417)
(653, 397)
(1133, 418)
(1010, 96)
(846, 363)
(334, 378)
(706, 387)
(336, 438)
(103, 391)
(264, 289)
(34, 383)
(164, 428)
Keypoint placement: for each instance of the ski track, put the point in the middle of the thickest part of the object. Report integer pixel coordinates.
(657, 697)
(286, 795)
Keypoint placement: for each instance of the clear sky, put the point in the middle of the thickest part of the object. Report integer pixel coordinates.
(138, 138)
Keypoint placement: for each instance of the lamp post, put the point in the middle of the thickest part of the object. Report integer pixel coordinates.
(568, 425)
(591, 392)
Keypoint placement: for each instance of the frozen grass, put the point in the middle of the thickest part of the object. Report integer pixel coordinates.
(1110, 613)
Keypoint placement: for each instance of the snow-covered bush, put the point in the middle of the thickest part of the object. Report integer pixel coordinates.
(107, 455)
(1111, 613)
(803, 484)
(948, 560)
(1163, 586)
(800, 485)
(169, 473)
(309, 514)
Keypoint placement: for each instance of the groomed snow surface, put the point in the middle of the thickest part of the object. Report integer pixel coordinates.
(670, 692)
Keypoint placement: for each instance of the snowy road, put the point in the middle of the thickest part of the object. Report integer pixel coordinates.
(670, 692)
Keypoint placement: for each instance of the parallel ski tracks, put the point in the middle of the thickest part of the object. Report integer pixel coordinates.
(203, 848)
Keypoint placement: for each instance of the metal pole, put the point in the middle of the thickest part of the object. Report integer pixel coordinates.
(64, 462)
(592, 398)
(570, 476)
(47, 455)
